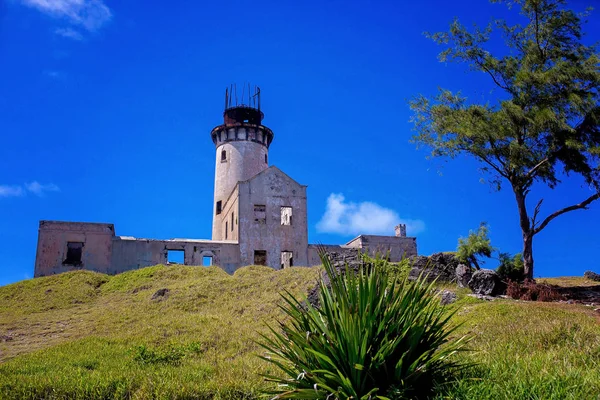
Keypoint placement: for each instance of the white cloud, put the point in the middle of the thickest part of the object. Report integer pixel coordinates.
(34, 187)
(69, 33)
(90, 14)
(40, 190)
(11, 191)
(347, 218)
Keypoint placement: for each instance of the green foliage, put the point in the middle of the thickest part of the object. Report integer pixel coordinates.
(511, 267)
(545, 123)
(477, 244)
(147, 355)
(369, 339)
(61, 345)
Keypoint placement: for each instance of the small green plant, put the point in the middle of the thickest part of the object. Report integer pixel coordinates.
(371, 338)
(147, 355)
(511, 267)
(474, 246)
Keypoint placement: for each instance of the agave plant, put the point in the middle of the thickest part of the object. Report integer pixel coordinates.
(370, 338)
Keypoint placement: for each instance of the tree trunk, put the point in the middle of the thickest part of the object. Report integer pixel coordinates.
(527, 232)
(528, 255)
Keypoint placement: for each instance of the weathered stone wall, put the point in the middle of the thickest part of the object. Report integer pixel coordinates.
(104, 252)
(132, 253)
(397, 246)
(340, 252)
(53, 237)
(273, 189)
(229, 226)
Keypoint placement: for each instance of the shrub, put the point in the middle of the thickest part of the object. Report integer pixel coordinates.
(531, 291)
(370, 339)
(511, 267)
(476, 245)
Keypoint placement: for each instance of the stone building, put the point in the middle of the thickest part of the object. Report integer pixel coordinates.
(259, 216)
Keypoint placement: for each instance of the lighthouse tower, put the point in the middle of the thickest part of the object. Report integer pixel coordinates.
(242, 145)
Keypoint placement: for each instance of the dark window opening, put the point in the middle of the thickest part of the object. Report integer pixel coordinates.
(225, 230)
(74, 252)
(218, 211)
(260, 213)
(260, 257)
(265, 159)
(287, 259)
(176, 257)
(231, 221)
(223, 156)
(207, 261)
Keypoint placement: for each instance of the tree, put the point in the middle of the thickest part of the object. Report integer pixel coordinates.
(477, 244)
(546, 124)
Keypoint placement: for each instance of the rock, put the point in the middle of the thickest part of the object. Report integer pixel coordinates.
(592, 276)
(438, 266)
(160, 294)
(447, 297)
(486, 282)
(463, 275)
(482, 297)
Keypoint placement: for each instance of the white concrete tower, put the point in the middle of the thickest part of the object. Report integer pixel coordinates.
(242, 144)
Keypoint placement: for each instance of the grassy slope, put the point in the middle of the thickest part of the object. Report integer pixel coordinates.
(87, 335)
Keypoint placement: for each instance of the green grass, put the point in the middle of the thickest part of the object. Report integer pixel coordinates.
(83, 335)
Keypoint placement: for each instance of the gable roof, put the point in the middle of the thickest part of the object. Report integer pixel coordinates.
(273, 170)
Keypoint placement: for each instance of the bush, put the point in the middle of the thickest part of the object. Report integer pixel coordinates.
(370, 339)
(531, 291)
(474, 246)
(511, 267)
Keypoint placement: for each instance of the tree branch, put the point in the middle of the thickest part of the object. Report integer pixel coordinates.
(582, 205)
(536, 211)
(491, 74)
(535, 168)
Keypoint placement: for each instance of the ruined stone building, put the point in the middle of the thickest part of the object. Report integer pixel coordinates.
(259, 216)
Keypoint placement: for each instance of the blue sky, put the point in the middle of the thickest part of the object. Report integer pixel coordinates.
(106, 109)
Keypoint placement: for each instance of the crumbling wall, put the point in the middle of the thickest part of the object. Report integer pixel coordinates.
(132, 253)
(337, 253)
(264, 229)
(53, 242)
(395, 247)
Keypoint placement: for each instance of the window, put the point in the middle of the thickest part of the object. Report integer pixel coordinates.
(218, 209)
(225, 230)
(260, 257)
(231, 221)
(207, 261)
(260, 213)
(265, 159)
(286, 215)
(287, 259)
(223, 156)
(74, 252)
(176, 257)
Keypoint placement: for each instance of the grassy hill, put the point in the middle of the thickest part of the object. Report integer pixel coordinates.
(87, 335)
